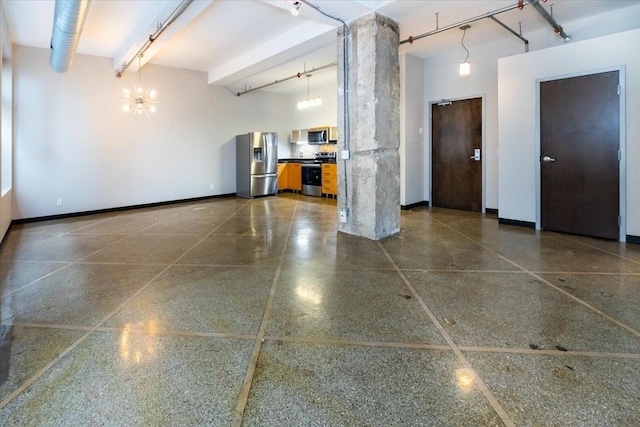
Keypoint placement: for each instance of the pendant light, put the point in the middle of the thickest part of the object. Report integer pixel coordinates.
(309, 102)
(139, 101)
(465, 66)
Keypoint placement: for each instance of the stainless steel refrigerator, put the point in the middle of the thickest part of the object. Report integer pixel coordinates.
(256, 164)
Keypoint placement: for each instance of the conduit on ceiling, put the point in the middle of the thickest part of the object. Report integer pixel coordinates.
(297, 75)
(68, 20)
(152, 37)
(491, 15)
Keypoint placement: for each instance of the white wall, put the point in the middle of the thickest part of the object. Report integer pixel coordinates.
(323, 115)
(6, 133)
(443, 82)
(73, 142)
(412, 176)
(517, 111)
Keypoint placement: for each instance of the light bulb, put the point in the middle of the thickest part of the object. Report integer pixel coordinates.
(126, 108)
(153, 94)
(152, 109)
(465, 68)
(126, 92)
(139, 90)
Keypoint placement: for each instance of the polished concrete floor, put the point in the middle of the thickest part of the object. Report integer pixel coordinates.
(258, 313)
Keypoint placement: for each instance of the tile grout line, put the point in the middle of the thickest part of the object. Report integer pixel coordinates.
(61, 234)
(569, 353)
(25, 385)
(548, 283)
(328, 341)
(79, 260)
(594, 247)
(253, 361)
(504, 417)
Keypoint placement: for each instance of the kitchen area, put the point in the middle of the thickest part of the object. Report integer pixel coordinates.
(311, 170)
(300, 159)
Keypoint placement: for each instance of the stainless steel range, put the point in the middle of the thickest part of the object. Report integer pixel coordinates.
(312, 173)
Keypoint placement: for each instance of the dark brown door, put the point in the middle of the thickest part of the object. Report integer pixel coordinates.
(579, 166)
(456, 132)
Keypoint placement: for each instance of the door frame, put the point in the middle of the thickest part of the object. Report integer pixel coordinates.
(622, 144)
(484, 144)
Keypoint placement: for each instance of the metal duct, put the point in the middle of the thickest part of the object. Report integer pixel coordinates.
(68, 21)
(550, 19)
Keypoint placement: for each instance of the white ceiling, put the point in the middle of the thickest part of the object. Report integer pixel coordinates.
(247, 43)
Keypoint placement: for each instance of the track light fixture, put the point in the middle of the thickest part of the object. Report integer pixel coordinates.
(465, 66)
(296, 6)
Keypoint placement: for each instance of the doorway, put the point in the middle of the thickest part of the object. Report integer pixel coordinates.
(580, 155)
(456, 154)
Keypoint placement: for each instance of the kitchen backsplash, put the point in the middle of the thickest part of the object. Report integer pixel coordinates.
(308, 151)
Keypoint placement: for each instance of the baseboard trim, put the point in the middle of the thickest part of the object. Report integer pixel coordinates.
(491, 211)
(118, 209)
(517, 223)
(633, 239)
(414, 205)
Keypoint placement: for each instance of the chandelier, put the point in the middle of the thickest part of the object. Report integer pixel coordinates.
(139, 101)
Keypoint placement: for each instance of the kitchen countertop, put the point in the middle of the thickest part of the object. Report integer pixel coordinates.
(303, 160)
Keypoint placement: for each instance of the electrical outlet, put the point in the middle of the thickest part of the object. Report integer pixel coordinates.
(343, 215)
(211, 187)
(345, 155)
(59, 202)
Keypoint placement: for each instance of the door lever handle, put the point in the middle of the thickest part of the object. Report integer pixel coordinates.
(548, 159)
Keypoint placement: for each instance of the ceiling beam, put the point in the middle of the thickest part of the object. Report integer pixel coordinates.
(286, 47)
(138, 38)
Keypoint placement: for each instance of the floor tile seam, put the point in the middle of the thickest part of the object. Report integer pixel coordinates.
(595, 247)
(358, 343)
(28, 261)
(36, 280)
(247, 383)
(70, 263)
(129, 236)
(582, 273)
(24, 386)
(94, 328)
(585, 273)
(484, 389)
(61, 234)
(587, 305)
(557, 288)
(543, 352)
(144, 331)
(429, 270)
(47, 326)
(210, 233)
(178, 333)
(355, 268)
(143, 233)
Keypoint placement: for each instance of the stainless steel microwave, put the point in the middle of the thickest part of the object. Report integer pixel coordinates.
(323, 135)
(317, 136)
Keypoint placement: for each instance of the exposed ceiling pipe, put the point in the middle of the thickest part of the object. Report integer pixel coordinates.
(68, 20)
(520, 5)
(411, 39)
(152, 37)
(298, 75)
(550, 19)
(506, 27)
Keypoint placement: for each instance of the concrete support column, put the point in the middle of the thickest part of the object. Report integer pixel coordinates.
(369, 182)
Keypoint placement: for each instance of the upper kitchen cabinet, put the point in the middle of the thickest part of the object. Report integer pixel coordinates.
(299, 136)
